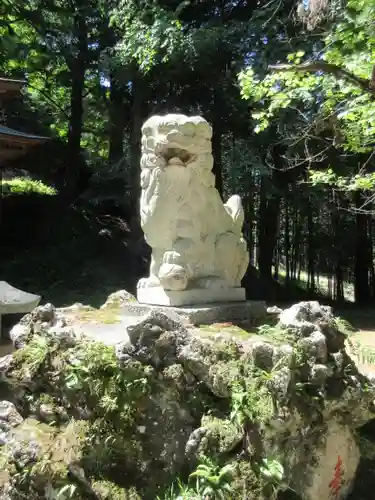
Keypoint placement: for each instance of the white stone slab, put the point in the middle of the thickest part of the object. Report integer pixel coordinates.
(161, 297)
(202, 315)
(15, 301)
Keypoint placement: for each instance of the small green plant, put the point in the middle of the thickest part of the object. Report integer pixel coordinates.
(213, 481)
(66, 492)
(344, 326)
(178, 491)
(275, 333)
(272, 471)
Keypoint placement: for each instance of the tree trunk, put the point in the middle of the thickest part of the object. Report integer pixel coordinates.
(217, 134)
(362, 264)
(267, 230)
(116, 121)
(78, 69)
(296, 252)
(286, 243)
(135, 140)
(310, 249)
(249, 214)
(269, 212)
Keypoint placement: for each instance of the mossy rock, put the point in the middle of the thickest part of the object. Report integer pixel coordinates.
(110, 491)
(246, 483)
(37, 457)
(221, 436)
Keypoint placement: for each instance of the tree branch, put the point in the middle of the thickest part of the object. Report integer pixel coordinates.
(332, 69)
(46, 96)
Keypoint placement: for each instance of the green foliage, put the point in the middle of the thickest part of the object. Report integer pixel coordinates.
(326, 100)
(358, 182)
(344, 326)
(19, 186)
(34, 355)
(150, 34)
(178, 491)
(272, 471)
(93, 373)
(212, 482)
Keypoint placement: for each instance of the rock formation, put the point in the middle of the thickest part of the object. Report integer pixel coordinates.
(198, 252)
(279, 411)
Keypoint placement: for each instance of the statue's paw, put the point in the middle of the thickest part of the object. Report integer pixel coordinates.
(148, 282)
(173, 277)
(171, 258)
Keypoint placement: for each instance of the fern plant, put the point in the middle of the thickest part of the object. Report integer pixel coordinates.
(213, 481)
(272, 471)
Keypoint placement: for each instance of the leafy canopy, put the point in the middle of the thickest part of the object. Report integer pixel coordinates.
(330, 88)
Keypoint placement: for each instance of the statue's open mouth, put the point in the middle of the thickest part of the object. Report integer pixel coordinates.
(182, 154)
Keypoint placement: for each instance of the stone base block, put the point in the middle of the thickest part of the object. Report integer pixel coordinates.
(157, 296)
(205, 314)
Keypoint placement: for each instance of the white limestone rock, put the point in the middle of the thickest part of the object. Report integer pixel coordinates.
(118, 299)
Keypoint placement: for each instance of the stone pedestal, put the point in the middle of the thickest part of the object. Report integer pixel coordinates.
(161, 297)
(203, 314)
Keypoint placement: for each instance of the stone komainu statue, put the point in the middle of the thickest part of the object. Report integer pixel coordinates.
(198, 251)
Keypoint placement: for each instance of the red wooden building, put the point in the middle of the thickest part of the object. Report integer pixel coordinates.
(13, 143)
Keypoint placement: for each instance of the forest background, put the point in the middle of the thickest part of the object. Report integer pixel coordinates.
(287, 87)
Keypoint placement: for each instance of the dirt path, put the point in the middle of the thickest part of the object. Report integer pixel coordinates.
(361, 343)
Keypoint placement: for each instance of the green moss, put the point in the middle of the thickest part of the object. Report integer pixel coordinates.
(225, 329)
(110, 491)
(43, 457)
(175, 374)
(246, 483)
(106, 315)
(221, 437)
(121, 404)
(223, 374)
(32, 357)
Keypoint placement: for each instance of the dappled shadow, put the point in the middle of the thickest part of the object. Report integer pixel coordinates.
(283, 294)
(88, 280)
(364, 484)
(360, 318)
(77, 258)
